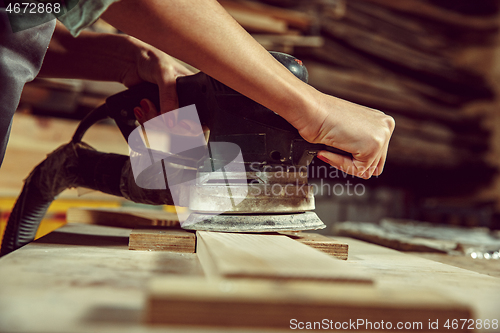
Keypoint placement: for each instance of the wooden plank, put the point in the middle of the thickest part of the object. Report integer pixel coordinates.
(274, 257)
(291, 17)
(172, 240)
(266, 304)
(124, 217)
(383, 93)
(258, 22)
(288, 40)
(439, 14)
(321, 242)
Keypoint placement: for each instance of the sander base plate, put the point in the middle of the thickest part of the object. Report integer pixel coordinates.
(253, 222)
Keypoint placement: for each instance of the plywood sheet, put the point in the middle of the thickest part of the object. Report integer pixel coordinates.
(172, 240)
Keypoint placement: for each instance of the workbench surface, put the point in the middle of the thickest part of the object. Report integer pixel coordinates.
(83, 278)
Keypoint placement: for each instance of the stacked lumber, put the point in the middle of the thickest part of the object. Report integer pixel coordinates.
(276, 28)
(423, 62)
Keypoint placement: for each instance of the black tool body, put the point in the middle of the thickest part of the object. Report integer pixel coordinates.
(262, 135)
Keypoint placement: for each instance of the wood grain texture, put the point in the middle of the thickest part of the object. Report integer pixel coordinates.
(104, 287)
(172, 240)
(436, 13)
(124, 217)
(258, 22)
(274, 257)
(291, 17)
(179, 240)
(270, 304)
(320, 242)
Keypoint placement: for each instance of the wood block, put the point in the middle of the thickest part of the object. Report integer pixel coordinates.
(320, 242)
(172, 240)
(123, 217)
(271, 304)
(275, 257)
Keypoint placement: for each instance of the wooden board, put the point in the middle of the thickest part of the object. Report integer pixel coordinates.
(436, 13)
(274, 257)
(172, 240)
(320, 242)
(104, 287)
(124, 217)
(291, 17)
(273, 41)
(258, 22)
(271, 304)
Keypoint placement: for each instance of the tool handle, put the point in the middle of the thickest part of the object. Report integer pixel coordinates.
(335, 150)
(121, 106)
(302, 152)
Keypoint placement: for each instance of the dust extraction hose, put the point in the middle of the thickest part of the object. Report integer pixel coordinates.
(75, 164)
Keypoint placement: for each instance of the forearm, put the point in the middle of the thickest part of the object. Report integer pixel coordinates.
(201, 33)
(92, 56)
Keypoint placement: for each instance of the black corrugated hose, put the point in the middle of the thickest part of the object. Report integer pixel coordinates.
(75, 164)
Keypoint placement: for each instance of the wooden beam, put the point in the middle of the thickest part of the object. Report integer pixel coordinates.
(264, 256)
(271, 304)
(172, 240)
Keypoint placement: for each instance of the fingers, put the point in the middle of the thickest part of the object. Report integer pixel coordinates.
(146, 111)
(380, 165)
(361, 169)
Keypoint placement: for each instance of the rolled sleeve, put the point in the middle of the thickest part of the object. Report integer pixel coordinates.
(83, 14)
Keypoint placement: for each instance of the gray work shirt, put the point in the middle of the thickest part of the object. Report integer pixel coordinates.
(22, 53)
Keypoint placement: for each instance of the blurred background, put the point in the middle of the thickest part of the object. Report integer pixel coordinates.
(434, 65)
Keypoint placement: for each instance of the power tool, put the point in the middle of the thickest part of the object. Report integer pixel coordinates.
(266, 186)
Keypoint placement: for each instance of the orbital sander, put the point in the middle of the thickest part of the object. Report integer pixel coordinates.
(250, 176)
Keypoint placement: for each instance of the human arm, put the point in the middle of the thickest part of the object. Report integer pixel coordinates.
(204, 35)
(110, 57)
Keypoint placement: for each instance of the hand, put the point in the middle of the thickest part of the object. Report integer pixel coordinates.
(154, 66)
(361, 131)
